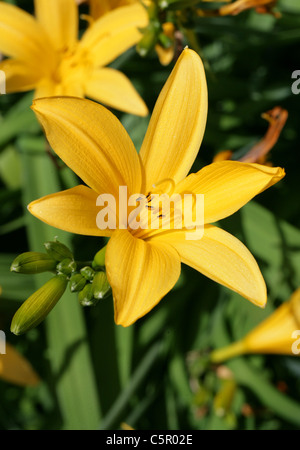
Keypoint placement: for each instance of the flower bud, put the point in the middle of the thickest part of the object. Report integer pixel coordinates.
(88, 273)
(101, 286)
(32, 263)
(86, 296)
(34, 310)
(66, 266)
(77, 282)
(224, 398)
(149, 39)
(58, 251)
(165, 40)
(176, 4)
(99, 259)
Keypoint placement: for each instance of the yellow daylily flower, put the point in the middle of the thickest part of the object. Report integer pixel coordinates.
(278, 334)
(143, 265)
(15, 369)
(46, 55)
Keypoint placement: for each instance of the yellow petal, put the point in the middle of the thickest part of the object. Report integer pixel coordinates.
(100, 7)
(228, 185)
(139, 273)
(19, 76)
(165, 55)
(15, 369)
(23, 38)
(221, 257)
(114, 33)
(45, 88)
(59, 18)
(73, 210)
(113, 88)
(92, 142)
(178, 121)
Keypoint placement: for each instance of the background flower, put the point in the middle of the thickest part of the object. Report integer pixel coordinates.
(47, 56)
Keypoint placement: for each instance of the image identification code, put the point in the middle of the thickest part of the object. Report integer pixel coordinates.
(154, 439)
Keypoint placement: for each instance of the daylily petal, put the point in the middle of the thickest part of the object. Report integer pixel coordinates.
(165, 55)
(59, 18)
(113, 88)
(19, 76)
(22, 37)
(92, 142)
(15, 369)
(114, 33)
(45, 88)
(228, 185)
(221, 257)
(73, 210)
(100, 7)
(178, 121)
(140, 274)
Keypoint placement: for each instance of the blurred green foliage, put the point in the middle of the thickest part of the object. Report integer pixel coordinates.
(155, 374)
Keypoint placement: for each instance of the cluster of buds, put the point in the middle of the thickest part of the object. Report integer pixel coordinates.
(88, 280)
(158, 35)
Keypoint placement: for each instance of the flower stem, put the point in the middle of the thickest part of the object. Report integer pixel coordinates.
(230, 351)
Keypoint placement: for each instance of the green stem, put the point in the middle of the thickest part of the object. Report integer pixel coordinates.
(136, 379)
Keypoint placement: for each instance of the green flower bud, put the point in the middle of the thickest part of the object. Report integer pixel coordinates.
(34, 310)
(66, 266)
(165, 40)
(86, 296)
(33, 262)
(177, 4)
(58, 251)
(88, 273)
(77, 282)
(99, 259)
(148, 40)
(101, 286)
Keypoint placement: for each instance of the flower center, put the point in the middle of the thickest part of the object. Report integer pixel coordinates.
(159, 209)
(71, 67)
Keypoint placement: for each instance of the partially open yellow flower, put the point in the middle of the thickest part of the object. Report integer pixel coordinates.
(278, 334)
(15, 369)
(144, 264)
(46, 55)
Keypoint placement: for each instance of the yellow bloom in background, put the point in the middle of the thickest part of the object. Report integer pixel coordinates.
(278, 334)
(46, 55)
(15, 369)
(143, 265)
